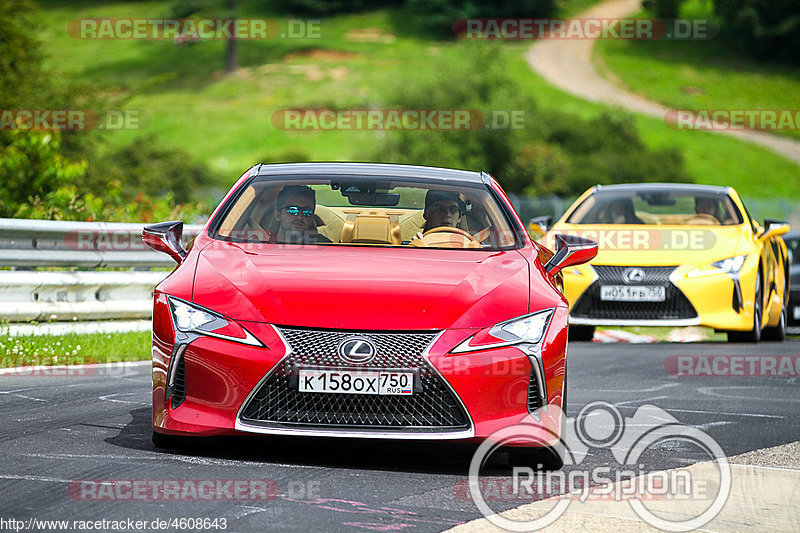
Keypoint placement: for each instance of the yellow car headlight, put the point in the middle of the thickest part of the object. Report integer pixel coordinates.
(731, 265)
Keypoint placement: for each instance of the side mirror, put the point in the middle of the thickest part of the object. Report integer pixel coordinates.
(543, 223)
(571, 250)
(537, 227)
(773, 228)
(166, 237)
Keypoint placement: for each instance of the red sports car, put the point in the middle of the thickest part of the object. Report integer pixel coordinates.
(359, 300)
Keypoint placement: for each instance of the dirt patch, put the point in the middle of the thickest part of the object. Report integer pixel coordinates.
(370, 35)
(694, 91)
(322, 54)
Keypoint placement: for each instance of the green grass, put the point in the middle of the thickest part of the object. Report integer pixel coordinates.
(224, 121)
(710, 158)
(73, 349)
(700, 74)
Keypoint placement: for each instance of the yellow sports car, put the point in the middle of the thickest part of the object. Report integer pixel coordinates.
(676, 255)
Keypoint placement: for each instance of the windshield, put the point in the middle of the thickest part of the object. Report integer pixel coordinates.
(657, 207)
(364, 211)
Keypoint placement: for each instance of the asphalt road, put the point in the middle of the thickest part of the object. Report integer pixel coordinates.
(57, 431)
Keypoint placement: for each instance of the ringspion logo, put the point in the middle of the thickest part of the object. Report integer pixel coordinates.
(628, 441)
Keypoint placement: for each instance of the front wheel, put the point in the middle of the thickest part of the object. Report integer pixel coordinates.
(777, 333)
(754, 335)
(161, 440)
(549, 458)
(580, 333)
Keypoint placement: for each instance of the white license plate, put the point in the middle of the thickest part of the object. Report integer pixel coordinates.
(357, 382)
(628, 293)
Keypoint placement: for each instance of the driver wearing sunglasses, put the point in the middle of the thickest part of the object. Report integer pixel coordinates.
(295, 216)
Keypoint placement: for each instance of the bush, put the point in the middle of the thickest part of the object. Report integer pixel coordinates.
(331, 7)
(438, 16)
(607, 149)
(20, 59)
(146, 166)
(31, 166)
(475, 80)
(764, 29)
(664, 9)
(554, 154)
(40, 182)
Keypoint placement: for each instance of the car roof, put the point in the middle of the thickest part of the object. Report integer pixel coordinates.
(632, 187)
(371, 170)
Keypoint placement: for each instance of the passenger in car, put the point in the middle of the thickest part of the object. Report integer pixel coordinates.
(295, 217)
(621, 211)
(706, 206)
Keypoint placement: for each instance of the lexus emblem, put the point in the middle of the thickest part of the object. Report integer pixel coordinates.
(633, 275)
(356, 350)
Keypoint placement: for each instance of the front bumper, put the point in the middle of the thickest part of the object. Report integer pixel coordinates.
(493, 388)
(716, 300)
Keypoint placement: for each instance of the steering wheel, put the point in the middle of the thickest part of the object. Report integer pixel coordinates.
(447, 237)
(703, 219)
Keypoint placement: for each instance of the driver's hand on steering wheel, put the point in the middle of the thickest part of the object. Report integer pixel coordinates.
(417, 236)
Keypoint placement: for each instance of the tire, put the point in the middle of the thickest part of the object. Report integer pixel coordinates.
(754, 335)
(550, 458)
(580, 333)
(778, 333)
(160, 440)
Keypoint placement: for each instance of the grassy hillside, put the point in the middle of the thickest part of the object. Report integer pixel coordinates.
(360, 59)
(701, 74)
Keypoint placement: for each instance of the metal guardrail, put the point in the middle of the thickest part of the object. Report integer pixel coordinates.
(80, 295)
(33, 243)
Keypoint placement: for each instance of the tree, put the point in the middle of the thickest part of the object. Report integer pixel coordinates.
(20, 57)
(188, 8)
(765, 29)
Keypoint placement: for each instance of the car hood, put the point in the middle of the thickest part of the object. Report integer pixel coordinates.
(657, 245)
(362, 288)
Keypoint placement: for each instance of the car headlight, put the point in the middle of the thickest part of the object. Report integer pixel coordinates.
(731, 265)
(191, 318)
(524, 331)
